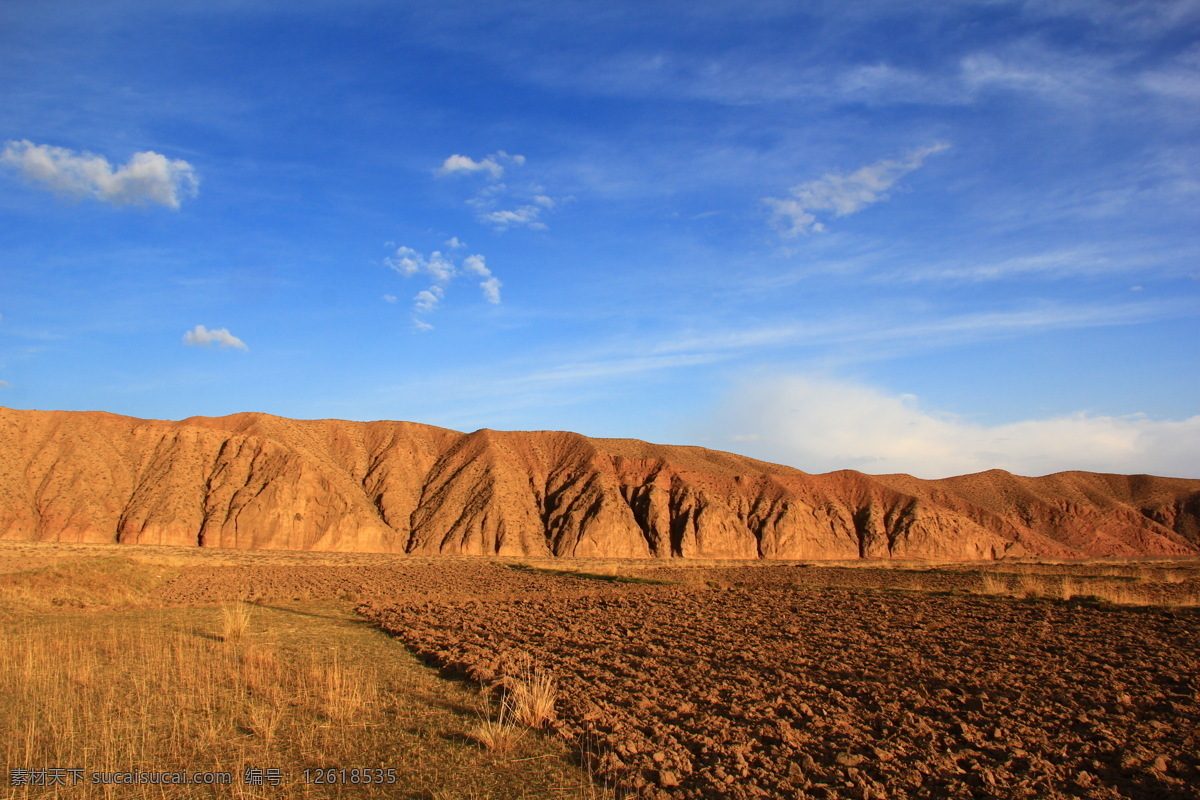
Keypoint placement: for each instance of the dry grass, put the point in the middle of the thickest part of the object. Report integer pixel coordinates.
(527, 695)
(533, 699)
(993, 584)
(235, 621)
(78, 583)
(345, 697)
(496, 731)
(1147, 575)
(528, 689)
(127, 697)
(1120, 586)
(108, 682)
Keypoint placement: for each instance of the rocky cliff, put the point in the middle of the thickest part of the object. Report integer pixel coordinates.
(257, 481)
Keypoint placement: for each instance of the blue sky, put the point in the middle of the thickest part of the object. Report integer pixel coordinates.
(914, 237)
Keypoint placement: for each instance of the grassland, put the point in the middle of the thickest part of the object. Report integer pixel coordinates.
(99, 676)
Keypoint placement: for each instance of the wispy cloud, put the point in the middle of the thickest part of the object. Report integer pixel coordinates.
(841, 195)
(891, 334)
(527, 216)
(600, 365)
(1056, 264)
(201, 336)
(441, 271)
(500, 205)
(522, 384)
(148, 178)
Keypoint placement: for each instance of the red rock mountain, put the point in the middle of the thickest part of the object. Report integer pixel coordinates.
(257, 481)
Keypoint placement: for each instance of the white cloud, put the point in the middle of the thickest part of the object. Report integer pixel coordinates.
(439, 268)
(427, 300)
(201, 336)
(821, 424)
(390, 298)
(457, 164)
(527, 216)
(884, 333)
(148, 178)
(441, 271)
(4, 384)
(454, 244)
(409, 262)
(475, 264)
(842, 195)
(405, 261)
(465, 165)
(530, 199)
(491, 284)
(491, 290)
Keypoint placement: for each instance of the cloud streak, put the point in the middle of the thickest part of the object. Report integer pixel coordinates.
(840, 195)
(148, 178)
(903, 335)
(201, 336)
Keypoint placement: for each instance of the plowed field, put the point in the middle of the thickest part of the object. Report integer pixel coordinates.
(804, 682)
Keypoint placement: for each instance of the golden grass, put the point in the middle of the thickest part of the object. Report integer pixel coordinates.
(127, 697)
(533, 699)
(235, 621)
(113, 683)
(1114, 588)
(496, 731)
(78, 583)
(529, 691)
(993, 584)
(527, 694)
(345, 697)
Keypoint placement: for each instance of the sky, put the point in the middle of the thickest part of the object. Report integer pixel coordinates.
(923, 237)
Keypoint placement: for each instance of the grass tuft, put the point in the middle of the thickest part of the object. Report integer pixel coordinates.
(533, 696)
(497, 733)
(993, 584)
(235, 621)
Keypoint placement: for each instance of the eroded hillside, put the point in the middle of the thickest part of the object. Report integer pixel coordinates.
(257, 481)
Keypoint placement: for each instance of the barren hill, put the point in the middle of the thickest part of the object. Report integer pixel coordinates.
(258, 481)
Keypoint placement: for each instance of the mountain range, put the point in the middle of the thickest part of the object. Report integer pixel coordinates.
(259, 481)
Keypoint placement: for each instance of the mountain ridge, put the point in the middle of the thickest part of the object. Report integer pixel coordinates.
(260, 481)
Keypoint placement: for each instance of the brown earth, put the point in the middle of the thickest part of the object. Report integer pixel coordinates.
(263, 482)
(805, 682)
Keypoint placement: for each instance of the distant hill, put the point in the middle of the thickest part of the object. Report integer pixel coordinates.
(258, 481)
